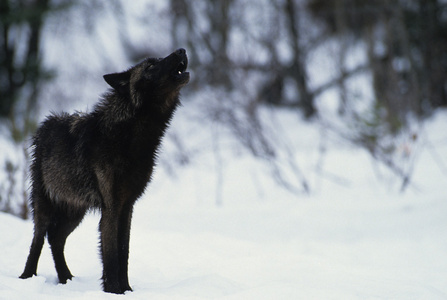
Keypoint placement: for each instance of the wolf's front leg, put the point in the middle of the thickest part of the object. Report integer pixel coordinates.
(123, 242)
(109, 251)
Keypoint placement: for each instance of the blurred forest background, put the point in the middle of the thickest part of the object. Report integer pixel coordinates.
(381, 63)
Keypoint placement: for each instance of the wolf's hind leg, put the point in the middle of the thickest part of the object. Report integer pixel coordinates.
(63, 224)
(35, 250)
(42, 218)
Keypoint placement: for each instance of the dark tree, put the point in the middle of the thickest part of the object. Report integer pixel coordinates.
(21, 24)
(409, 69)
(21, 77)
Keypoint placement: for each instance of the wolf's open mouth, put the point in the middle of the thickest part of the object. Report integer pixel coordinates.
(178, 61)
(181, 67)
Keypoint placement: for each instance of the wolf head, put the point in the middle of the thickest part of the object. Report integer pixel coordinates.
(154, 81)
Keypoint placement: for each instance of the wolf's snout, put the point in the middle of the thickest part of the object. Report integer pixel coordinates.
(180, 51)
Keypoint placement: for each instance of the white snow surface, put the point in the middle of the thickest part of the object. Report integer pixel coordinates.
(355, 238)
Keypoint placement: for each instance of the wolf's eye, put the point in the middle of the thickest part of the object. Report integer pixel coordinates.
(150, 67)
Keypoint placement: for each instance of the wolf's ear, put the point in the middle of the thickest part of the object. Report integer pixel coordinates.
(119, 81)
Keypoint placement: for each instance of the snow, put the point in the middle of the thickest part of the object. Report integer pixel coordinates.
(356, 240)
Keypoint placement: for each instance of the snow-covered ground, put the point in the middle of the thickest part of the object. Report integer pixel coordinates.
(350, 238)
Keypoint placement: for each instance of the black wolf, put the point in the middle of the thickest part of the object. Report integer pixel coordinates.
(102, 160)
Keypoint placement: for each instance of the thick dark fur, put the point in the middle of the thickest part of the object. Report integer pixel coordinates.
(102, 160)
